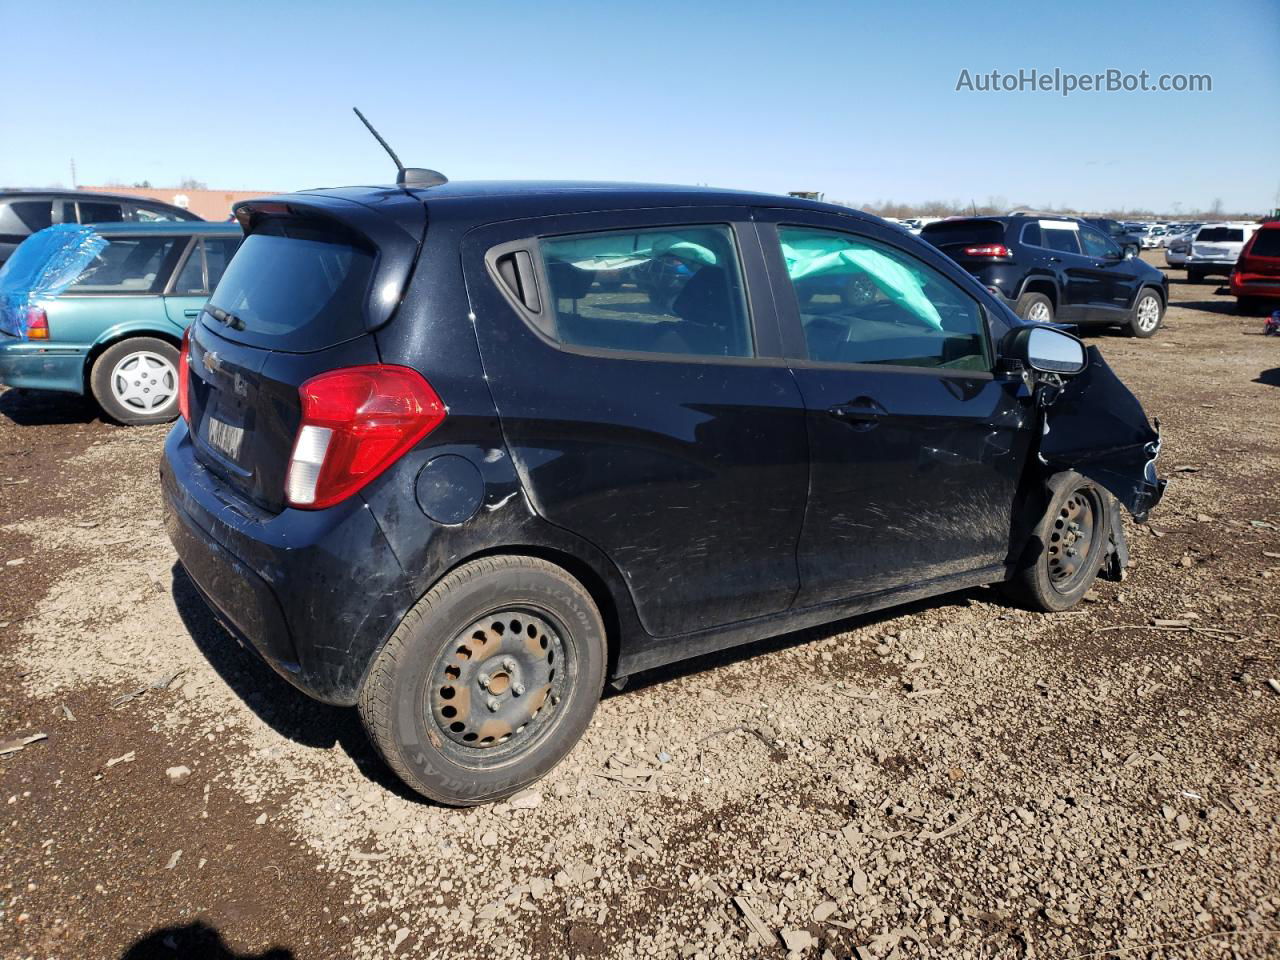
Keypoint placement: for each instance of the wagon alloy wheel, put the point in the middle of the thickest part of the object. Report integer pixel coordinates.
(1070, 543)
(144, 381)
(136, 380)
(497, 683)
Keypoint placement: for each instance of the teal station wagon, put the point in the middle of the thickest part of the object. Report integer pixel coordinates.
(101, 309)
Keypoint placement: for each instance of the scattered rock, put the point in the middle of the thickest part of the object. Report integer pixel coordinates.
(178, 775)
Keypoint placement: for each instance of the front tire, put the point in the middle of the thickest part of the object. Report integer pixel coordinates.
(135, 381)
(1035, 307)
(489, 680)
(1148, 313)
(1194, 276)
(1068, 546)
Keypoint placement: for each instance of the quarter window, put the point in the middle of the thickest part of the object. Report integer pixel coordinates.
(866, 302)
(674, 290)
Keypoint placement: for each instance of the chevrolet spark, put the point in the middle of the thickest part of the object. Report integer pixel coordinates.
(459, 454)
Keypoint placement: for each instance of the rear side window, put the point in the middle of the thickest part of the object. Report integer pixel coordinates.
(205, 265)
(129, 265)
(95, 211)
(1266, 243)
(671, 290)
(21, 217)
(294, 287)
(866, 302)
(1064, 241)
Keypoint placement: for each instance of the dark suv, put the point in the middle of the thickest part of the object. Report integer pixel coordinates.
(1061, 269)
(453, 455)
(24, 212)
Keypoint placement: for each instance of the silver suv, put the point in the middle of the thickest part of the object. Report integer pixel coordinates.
(1215, 249)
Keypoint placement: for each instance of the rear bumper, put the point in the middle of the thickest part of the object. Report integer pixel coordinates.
(39, 365)
(1253, 285)
(314, 593)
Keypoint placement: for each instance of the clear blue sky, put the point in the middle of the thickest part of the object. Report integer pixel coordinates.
(853, 98)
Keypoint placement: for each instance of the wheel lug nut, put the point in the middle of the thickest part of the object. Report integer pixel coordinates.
(483, 680)
(508, 664)
(493, 705)
(518, 689)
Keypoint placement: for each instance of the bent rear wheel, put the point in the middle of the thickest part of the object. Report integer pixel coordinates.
(1068, 546)
(135, 381)
(488, 682)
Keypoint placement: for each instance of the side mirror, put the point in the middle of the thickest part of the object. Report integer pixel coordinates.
(1046, 350)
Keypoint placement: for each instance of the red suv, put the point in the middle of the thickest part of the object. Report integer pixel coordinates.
(1255, 282)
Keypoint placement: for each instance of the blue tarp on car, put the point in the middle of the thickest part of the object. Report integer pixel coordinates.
(44, 265)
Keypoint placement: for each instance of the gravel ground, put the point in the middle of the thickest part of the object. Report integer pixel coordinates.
(957, 778)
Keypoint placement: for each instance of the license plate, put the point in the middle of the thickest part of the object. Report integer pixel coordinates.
(225, 438)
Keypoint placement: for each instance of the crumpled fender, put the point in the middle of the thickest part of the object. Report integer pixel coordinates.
(1096, 427)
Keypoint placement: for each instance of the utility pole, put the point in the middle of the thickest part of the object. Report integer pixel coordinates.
(74, 185)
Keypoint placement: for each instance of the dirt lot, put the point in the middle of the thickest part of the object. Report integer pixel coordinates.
(956, 778)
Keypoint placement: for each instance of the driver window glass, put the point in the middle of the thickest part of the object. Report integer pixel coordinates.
(666, 290)
(1096, 245)
(866, 302)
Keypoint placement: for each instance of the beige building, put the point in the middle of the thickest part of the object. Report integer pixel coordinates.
(210, 204)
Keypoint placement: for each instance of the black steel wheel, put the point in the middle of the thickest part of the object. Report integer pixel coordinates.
(1067, 547)
(488, 681)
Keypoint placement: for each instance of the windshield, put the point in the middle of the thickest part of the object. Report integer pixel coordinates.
(1220, 235)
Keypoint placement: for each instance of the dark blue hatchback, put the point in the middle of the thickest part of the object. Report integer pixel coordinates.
(458, 454)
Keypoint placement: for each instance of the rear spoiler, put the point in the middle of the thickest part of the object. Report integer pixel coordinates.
(394, 231)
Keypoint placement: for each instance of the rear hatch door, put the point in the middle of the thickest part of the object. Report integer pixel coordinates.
(315, 276)
(955, 237)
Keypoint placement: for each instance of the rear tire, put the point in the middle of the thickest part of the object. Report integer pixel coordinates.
(1052, 579)
(1148, 314)
(489, 680)
(1035, 307)
(135, 381)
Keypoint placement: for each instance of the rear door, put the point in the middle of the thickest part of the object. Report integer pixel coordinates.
(634, 361)
(916, 448)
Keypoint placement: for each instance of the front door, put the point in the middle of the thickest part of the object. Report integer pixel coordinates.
(916, 447)
(635, 365)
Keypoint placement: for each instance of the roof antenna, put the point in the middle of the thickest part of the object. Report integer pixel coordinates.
(405, 176)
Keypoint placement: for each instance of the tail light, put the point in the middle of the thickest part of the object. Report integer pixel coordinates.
(988, 250)
(356, 422)
(184, 376)
(37, 324)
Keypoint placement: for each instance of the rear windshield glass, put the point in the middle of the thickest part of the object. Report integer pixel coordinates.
(1266, 244)
(1220, 235)
(292, 287)
(963, 231)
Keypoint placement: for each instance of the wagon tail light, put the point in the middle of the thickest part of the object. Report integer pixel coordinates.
(356, 422)
(37, 324)
(184, 376)
(992, 250)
